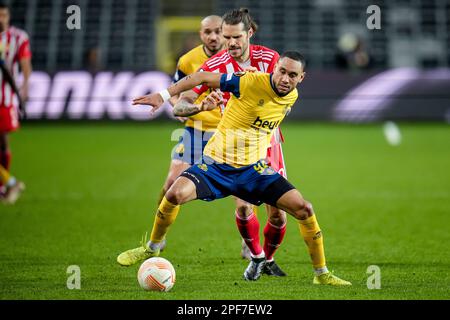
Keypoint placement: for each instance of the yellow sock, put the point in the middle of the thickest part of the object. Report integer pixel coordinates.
(310, 230)
(4, 175)
(166, 215)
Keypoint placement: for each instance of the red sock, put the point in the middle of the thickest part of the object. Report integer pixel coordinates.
(249, 229)
(5, 159)
(273, 236)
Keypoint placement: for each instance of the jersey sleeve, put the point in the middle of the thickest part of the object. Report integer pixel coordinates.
(181, 71)
(230, 82)
(179, 74)
(24, 51)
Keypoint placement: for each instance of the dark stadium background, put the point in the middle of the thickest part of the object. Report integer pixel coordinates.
(367, 144)
(406, 76)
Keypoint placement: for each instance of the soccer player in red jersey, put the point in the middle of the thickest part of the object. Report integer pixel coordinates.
(14, 53)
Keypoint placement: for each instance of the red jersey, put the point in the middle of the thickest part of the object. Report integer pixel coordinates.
(14, 46)
(262, 58)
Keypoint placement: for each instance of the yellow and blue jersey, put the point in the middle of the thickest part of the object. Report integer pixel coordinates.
(254, 110)
(188, 64)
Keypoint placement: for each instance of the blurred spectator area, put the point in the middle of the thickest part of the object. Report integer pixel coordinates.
(148, 34)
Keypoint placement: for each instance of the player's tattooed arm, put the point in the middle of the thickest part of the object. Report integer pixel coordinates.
(185, 106)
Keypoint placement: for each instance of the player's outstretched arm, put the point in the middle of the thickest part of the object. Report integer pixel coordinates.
(155, 100)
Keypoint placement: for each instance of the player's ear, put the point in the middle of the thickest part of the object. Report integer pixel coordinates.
(302, 76)
(250, 33)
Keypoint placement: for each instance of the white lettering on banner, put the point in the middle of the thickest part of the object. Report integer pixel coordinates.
(107, 94)
(78, 95)
(76, 83)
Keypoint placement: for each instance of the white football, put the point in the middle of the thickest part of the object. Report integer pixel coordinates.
(156, 274)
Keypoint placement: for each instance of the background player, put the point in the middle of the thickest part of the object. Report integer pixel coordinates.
(15, 52)
(238, 28)
(247, 177)
(185, 153)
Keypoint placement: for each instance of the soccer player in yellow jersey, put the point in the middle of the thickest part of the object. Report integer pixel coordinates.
(233, 156)
(200, 127)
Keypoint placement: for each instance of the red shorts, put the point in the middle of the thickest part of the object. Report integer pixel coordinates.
(275, 156)
(9, 119)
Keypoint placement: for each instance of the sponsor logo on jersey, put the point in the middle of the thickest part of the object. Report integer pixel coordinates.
(264, 124)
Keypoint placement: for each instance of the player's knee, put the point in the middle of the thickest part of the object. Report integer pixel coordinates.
(175, 196)
(277, 217)
(243, 209)
(303, 209)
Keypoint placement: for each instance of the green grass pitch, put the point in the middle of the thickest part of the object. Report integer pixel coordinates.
(92, 189)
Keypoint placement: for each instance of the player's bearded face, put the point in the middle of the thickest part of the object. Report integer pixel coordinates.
(236, 39)
(211, 35)
(287, 75)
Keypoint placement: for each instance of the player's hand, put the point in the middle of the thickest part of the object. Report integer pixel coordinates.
(212, 101)
(154, 100)
(23, 92)
(251, 69)
(22, 111)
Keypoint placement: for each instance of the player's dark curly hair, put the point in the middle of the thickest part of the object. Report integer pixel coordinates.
(237, 16)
